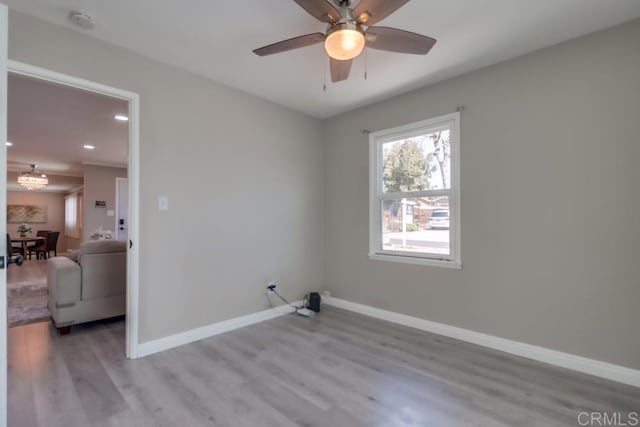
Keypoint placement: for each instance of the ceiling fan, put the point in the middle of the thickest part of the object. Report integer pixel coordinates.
(349, 30)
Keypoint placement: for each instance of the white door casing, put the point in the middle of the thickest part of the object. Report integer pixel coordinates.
(3, 211)
(133, 172)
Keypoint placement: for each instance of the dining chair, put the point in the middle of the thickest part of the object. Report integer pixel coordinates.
(51, 245)
(39, 243)
(12, 250)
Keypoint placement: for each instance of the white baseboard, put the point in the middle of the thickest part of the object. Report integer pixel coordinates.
(182, 338)
(565, 360)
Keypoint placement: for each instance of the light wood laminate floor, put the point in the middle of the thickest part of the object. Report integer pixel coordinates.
(337, 369)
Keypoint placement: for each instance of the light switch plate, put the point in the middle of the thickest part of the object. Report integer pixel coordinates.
(163, 203)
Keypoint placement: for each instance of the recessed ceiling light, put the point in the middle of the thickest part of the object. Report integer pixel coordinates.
(121, 118)
(88, 147)
(8, 144)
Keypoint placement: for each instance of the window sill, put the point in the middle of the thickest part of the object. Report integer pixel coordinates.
(455, 265)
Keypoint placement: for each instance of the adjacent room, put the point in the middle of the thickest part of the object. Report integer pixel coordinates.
(66, 162)
(321, 213)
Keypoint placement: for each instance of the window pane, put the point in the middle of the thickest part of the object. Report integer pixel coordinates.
(71, 226)
(416, 225)
(418, 163)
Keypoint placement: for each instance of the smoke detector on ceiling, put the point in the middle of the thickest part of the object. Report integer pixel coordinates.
(82, 20)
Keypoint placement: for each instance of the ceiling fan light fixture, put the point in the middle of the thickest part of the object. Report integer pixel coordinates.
(344, 41)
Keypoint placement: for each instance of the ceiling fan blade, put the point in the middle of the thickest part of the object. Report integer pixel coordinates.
(322, 10)
(290, 44)
(394, 40)
(340, 69)
(369, 12)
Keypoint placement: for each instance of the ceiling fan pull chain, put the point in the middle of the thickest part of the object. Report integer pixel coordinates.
(324, 71)
(365, 63)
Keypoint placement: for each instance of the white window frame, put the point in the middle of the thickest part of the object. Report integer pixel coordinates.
(376, 194)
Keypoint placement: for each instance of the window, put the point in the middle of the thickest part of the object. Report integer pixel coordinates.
(71, 208)
(414, 184)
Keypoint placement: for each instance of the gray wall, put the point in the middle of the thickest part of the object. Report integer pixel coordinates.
(99, 185)
(243, 176)
(550, 202)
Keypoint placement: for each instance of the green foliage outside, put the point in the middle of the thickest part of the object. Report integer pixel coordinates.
(404, 168)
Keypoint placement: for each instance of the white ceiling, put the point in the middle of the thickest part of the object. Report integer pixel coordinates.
(215, 39)
(48, 125)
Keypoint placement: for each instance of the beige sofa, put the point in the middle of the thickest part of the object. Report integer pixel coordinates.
(89, 285)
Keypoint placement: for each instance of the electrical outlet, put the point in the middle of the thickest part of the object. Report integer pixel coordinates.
(271, 286)
(325, 294)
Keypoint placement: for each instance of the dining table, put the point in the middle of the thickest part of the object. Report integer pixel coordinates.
(24, 241)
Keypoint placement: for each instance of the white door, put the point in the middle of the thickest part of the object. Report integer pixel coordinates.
(122, 208)
(4, 20)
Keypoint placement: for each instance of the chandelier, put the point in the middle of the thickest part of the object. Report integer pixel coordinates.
(32, 181)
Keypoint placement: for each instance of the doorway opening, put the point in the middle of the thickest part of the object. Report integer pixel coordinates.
(84, 136)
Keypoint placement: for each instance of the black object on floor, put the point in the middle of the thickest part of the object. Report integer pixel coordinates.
(314, 302)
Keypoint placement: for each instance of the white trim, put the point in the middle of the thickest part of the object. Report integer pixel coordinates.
(133, 254)
(67, 80)
(182, 338)
(415, 194)
(133, 173)
(4, 18)
(407, 259)
(593, 367)
(376, 139)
